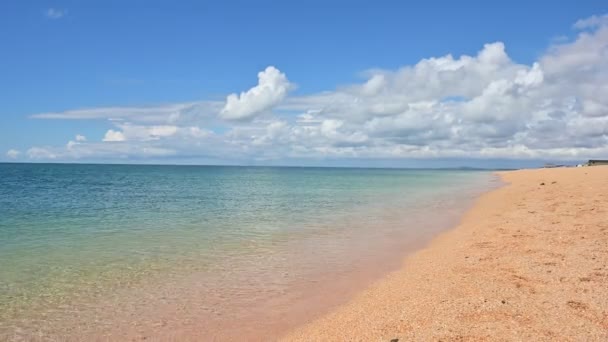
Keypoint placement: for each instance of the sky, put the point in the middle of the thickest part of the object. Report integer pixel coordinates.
(324, 83)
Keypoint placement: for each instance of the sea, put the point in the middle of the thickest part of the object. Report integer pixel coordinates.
(122, 252)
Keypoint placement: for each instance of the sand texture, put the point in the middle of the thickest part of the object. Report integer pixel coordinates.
(529, 262)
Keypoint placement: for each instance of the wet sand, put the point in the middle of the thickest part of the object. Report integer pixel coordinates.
(528, 262)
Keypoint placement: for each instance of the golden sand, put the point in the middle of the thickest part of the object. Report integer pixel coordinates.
(528, 262)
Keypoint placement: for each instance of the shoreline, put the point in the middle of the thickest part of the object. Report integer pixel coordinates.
(303, 278)
(313, 298)
(528, 261)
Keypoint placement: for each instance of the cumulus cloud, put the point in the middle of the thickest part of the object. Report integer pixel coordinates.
(132, 132)
(79, 140)
(12, 154)
(483, 105)
(54, 13)
(113, 136)
(135, 132)
(271, 89)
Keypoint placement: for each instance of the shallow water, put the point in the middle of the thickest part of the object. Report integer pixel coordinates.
(190, 251)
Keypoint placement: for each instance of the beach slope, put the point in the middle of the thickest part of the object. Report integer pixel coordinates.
(528, 262)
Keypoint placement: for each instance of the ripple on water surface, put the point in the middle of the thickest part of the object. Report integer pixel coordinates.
(93, 242)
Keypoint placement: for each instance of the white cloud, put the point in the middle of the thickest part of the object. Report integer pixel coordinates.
(133, 132)
(591, 22)
(115, 151)
(12, 154)
(171, 113)
(54, 13)
(41, 153)
(271, 89)
(374, 85)
(80, 138)
(113, 136)
(483, 105)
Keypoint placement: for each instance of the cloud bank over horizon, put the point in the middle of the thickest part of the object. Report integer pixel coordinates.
(480, 106)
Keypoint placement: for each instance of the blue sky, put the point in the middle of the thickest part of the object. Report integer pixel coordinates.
(62, 56)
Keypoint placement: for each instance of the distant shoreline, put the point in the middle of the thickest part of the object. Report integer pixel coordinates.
(527, 262)
(458, 168)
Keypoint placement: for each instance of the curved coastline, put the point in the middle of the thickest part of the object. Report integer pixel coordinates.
(528, 261)
(292, 278)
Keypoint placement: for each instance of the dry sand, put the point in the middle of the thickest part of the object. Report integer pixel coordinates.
(528, 262)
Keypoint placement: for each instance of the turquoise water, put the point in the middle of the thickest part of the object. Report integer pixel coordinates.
(73, 233)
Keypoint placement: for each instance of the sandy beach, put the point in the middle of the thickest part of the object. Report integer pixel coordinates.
(528, 262)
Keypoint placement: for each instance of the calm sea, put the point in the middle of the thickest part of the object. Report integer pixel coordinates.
(119, 250)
